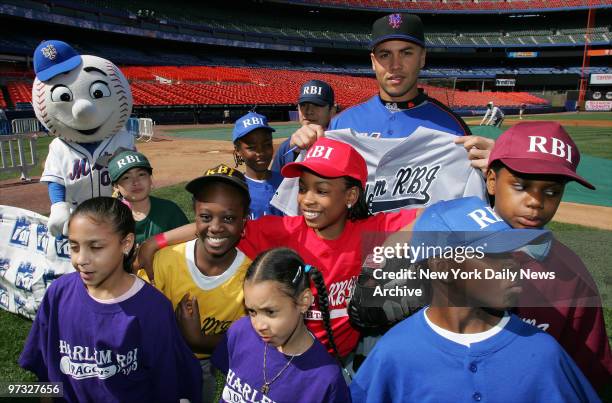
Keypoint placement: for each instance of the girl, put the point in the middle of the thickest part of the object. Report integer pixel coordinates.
(131, 175)
(209, 269)
(253, 147)
(330, 233)
(93, 329)
(273, 354)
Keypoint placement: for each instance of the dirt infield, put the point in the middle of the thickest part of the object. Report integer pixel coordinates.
(178, 160)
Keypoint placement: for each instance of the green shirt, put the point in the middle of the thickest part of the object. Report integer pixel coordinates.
(163, 216)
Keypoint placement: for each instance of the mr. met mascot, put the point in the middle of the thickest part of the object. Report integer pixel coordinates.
(85, 101)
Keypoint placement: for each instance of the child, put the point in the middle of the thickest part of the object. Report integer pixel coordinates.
(209, 269)
(465, 346)
(528, 169)
(329, 234)
(253, 146)
(130, 174)
(105, 333)
(273, 354)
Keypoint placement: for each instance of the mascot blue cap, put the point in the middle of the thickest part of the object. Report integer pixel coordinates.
(54, 57)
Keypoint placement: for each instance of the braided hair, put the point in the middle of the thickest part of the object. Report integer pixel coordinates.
(286, 267)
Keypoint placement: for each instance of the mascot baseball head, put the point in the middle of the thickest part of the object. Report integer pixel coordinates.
(80, 98)
(84, 101)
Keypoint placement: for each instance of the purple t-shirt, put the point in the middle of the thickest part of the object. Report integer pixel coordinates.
(313, 376)
(131, 351)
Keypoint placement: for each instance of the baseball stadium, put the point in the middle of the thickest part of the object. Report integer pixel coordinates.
(194, 72)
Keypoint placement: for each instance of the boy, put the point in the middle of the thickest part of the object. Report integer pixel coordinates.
(465, 346)
(252, 137)
(130, 173)
(208, 272)
(528, 169)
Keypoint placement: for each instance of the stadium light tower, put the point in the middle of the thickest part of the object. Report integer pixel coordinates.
(585, 55)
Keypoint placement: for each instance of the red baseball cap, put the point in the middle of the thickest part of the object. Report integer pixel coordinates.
(542, 148)
(331, 159)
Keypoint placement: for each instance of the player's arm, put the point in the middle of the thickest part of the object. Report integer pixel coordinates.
(485, 116)
(493, 114)
(478, 148)
(151, 245)
(188, 318)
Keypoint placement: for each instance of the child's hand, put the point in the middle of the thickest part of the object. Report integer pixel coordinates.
(188, 318)
(478, 149)
(144, 259)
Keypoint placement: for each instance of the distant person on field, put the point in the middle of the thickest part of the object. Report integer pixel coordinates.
(494, 115)
(522, 111)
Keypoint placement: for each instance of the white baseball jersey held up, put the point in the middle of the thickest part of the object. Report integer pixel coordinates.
(403, 173)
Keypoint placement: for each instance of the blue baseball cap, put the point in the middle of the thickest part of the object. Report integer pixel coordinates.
(54, 57)
(249, 122)
(469, 221)
(316, 92)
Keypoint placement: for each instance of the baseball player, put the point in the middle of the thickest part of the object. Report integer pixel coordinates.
(522, 111)
(85, 101)
(400, 108)
(315, 110)
(494, 114)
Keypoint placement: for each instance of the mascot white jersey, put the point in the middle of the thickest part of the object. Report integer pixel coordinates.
(85, 101)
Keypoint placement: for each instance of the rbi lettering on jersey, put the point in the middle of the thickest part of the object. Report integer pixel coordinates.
(408, 186)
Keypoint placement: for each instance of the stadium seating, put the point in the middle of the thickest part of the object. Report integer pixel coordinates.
(201, 85)
(20, 91)
(210, 21)
(456, 5)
